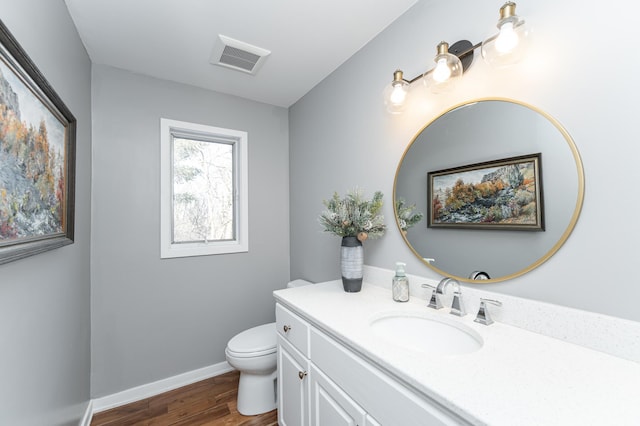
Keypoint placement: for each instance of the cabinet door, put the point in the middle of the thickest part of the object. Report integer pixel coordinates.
(330, 405)
(293, 386)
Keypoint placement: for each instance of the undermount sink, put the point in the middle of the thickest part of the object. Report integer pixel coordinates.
(426, 334)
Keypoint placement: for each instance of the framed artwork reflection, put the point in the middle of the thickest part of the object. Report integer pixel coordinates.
(503, 194)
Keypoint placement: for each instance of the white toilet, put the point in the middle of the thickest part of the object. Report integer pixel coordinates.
(253, 353)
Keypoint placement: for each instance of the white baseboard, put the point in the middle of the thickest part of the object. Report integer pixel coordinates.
(156, 388)
(88, 415)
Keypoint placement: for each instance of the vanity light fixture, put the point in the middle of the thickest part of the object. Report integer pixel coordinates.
(504, 48)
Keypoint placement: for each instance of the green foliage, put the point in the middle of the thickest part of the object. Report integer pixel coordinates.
(406, 215)
(494, 214)
(525, 197)
(352, 215)
(183, 174)
(185, 198)
(514, 176)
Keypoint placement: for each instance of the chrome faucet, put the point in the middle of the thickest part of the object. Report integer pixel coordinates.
(434, 301)
(457, 307)
(483, 316)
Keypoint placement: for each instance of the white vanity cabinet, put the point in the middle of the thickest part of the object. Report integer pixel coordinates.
(321, 382)
(293, 368)
(356, 375)
(307, 396)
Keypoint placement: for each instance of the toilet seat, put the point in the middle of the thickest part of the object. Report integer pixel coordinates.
(254, 342)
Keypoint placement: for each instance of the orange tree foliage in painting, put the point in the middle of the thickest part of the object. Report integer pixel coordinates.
(31, 198)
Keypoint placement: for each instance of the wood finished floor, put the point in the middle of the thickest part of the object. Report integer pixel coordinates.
(210, 402)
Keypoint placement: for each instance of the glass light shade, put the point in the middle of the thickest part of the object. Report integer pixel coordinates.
(395, 94)
(509, 45)
(447, 71)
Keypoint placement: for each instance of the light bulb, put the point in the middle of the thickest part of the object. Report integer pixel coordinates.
(447, 71)
(442, 72)
(507, 39)
(398, 94)
(395, 94)
(509, 45)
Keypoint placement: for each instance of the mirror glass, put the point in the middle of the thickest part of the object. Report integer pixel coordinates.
(488, 130)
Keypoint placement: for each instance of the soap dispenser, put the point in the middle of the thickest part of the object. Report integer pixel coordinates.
(400, 284)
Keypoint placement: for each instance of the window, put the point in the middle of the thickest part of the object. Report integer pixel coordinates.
(203, 190)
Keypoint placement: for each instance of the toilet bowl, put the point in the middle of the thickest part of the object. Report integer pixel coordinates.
(253, 353)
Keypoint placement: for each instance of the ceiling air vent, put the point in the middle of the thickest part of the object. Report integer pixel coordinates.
(237, 55)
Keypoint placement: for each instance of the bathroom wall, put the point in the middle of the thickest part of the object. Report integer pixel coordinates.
(44, 299)
(579, 70)
(153, 318)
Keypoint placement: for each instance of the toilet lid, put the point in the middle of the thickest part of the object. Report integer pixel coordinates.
(260, 340)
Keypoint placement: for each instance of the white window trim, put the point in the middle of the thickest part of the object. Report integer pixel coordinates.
(241, 242)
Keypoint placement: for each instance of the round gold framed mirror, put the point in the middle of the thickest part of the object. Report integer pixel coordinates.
(536, 189)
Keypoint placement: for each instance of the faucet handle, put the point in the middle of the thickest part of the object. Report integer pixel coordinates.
(434, 302)
(483, 316)
(457, 307)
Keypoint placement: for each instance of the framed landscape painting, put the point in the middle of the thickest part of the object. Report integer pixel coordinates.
(503, 194)
(37, 158)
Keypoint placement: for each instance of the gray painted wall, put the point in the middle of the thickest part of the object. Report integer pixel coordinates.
(44, 299)
(153, 318)
(341, 137)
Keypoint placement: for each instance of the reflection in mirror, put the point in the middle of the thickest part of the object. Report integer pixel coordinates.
(483, 131)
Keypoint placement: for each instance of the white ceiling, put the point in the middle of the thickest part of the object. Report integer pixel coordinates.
(173, 39)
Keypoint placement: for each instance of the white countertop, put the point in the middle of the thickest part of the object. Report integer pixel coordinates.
(517, 378)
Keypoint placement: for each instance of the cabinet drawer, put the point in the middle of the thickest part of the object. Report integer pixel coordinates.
(293, 329)
(381, 396)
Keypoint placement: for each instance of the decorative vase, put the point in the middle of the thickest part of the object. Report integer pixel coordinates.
(351, 260)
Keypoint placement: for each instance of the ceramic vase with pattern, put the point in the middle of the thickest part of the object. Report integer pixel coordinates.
(351, 260)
